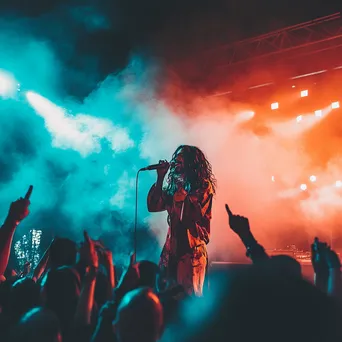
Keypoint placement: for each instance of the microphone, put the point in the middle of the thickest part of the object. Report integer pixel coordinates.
(155, 167)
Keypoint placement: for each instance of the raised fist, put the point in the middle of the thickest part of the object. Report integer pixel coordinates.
(18, 210)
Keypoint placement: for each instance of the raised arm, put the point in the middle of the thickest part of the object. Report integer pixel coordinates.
(156, 199)
(17, 212)
(327, 267)
(86, 299)
(335, 277)
(42, 264)
(240, 225)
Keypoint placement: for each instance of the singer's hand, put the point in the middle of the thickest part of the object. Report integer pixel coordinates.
(163, 170)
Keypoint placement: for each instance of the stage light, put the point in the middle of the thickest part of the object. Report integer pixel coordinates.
(245, 116)
(318, 112)
(338, 184)
(313, 178)
(249, 115)
(274, 105)
(7, 84)
(293, 86)
(335, 105)
(304, 93)
(299, 118)
(303, 187)
(273, 180)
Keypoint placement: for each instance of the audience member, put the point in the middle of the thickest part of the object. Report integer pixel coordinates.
(139, 317)
(38, 325)
(61, 299)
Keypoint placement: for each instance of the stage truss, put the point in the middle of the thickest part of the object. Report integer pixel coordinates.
(316, 35)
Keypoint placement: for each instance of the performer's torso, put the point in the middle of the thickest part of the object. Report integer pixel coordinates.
(178, 230)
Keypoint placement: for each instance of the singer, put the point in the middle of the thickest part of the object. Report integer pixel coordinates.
(187, 197)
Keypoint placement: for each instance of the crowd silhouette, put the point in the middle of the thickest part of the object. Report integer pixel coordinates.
(73, 295)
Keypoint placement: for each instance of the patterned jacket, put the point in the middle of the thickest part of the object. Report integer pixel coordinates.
(192, 210)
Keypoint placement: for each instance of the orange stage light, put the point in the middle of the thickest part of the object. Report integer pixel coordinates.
(335, 105)
(303, 187)
(304, 93)
(274, 105)
(313, 178)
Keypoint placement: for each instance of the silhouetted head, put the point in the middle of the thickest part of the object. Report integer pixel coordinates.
(262, 305)
(24, 295)
(11, 275)
(148, 274)
(285, 265)
(63, 252)
(139, 317)
(190, 166)
(38, 325)
(60, 292)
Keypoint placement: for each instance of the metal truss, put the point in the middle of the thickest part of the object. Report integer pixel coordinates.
(311, 35)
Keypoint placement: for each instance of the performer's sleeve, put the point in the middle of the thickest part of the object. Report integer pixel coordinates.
(203, 226)
(201, 215)
(156, 200)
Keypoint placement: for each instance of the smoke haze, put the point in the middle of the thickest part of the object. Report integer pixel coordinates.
(82, 153)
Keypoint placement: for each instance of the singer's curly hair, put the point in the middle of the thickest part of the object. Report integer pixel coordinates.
(198, 171)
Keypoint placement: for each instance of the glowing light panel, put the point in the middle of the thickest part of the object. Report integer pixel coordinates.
(335, 105)
(304, 93)
(303, 187)
(313, 178)
(274, 105)
(318, 112)
(7, 84)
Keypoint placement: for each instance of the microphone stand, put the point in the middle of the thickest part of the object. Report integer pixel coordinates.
(136, 208)
(136, 215)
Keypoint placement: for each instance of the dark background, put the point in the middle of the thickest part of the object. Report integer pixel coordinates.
(171, 31)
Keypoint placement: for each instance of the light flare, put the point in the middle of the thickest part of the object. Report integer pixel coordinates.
(80, 132)
(8, 85)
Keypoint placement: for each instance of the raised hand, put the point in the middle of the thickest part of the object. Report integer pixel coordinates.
(130, 278)
(332, 259)
(318, 256)
(29, 192)
(19, 209)
(238, 224)
(105, 257)
(88, 252)
(17, 212)
(104, 254)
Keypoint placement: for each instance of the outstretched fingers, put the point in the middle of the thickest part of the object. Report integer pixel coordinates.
(229, 212)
